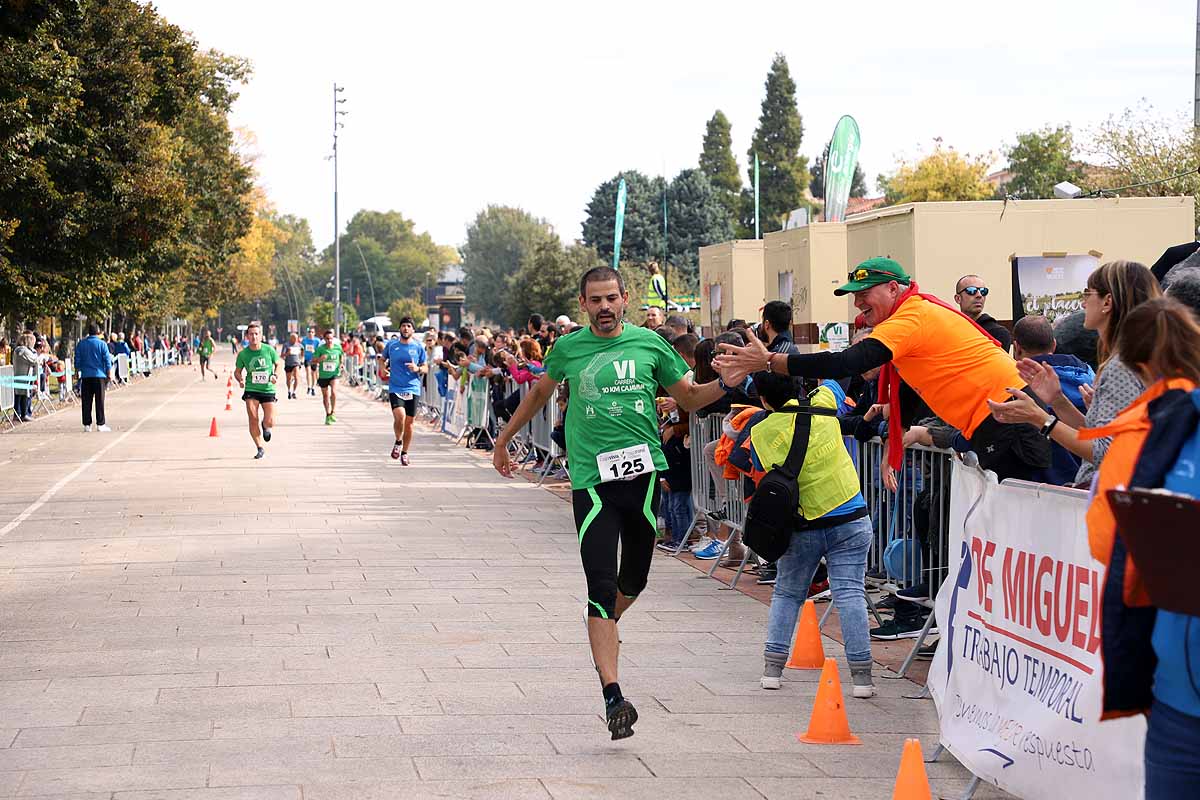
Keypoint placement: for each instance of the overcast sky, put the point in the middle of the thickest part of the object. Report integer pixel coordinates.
(459, 105)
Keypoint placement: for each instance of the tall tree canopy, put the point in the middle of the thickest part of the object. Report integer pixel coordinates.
(1039, 160)
(718, 164)
(783, 171)
(696, 218)
(641, 239)
(944, 174)
(120, 166)
(1142, 145)
(548, 281)
(383, 257)
(499, 240)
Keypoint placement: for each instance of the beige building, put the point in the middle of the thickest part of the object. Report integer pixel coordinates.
(731, 283)
(937, 243)
(940, 242)
(804, 266)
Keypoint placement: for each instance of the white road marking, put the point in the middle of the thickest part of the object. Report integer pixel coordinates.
(53, 490)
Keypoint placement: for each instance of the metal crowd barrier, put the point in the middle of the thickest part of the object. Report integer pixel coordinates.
(8, 396)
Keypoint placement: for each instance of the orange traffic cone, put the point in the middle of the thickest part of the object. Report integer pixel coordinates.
(807, 652)
(911, 781)
(212, 429)
(828, 723)
(227, 406)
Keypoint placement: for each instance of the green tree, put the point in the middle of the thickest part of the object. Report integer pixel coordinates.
(412, 306)
(383, 256)
(1144, 146)
(548, 282)
(783, 171)
(91, 94)
(718, 164)
(641, 237)
(858, 186)
(696, 218)
(1039, 160)
(945, 174)
(499, 240)
(321, 314)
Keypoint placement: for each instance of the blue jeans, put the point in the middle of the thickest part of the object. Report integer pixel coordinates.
(845, 549)
(677, 510)
(1172, 754)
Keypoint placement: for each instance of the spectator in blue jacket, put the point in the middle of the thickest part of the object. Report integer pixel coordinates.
(94, 363)
(1033, 337)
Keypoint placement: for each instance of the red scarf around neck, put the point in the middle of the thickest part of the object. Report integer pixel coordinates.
(889, 378)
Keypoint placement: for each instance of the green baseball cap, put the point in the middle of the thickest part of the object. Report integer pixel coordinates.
(873, 272)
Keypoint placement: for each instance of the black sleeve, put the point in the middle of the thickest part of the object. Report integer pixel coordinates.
(854, 360)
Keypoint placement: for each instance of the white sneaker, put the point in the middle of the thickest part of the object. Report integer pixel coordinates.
(103, 429)
(861, 692)
(771, 683)
(87, 428)
(704, 542)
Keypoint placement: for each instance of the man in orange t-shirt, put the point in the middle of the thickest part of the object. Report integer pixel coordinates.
(952, 364)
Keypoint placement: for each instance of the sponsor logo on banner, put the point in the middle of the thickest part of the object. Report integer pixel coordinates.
(1017, 675)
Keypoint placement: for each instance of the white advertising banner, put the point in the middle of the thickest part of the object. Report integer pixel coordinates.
(1017, 675)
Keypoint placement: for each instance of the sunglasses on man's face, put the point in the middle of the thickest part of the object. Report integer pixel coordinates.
(974, 290)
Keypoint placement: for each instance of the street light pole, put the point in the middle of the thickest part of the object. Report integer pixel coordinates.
(337, 243)
(1196, 101)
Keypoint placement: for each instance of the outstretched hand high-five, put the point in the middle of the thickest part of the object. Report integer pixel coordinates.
(735, 363)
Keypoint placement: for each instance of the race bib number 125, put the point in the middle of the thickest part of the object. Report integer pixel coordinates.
(625, 464)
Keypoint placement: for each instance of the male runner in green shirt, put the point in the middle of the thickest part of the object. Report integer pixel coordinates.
(256, 370)
(207, 345)
(614, 453)
(327, 359)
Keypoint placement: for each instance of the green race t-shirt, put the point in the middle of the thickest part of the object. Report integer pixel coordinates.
(259, 366)
(206, 347)
(613, 384)
(328, 361)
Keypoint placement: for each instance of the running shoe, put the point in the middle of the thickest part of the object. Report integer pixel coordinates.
(704, 542)
(87, 428)
(260, 453)
(329, 419)
(621, 718)
(766, 575)
(266, 434)
(396, 450)
(901, 629)
(332, 418)
(404, 459)
(103, 429)
(669, 547)
(712, 551)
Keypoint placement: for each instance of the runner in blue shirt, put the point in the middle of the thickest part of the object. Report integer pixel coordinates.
(406, 365)
(311, 343)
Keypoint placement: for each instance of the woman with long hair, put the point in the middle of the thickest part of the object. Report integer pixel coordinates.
(1152, 656)
(1113, 291)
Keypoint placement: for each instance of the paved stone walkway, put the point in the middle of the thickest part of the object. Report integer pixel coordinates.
(180, 622)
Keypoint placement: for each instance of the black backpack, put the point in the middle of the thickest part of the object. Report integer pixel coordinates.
(772, 513)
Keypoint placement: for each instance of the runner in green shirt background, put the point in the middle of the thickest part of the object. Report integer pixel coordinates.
(256, 370)
(328, 358)
(613, 449)
(207, 345)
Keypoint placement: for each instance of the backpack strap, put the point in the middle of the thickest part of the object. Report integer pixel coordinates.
(794, 462)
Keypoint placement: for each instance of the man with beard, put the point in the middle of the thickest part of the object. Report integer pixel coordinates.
(406, 364)
(613, 445)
